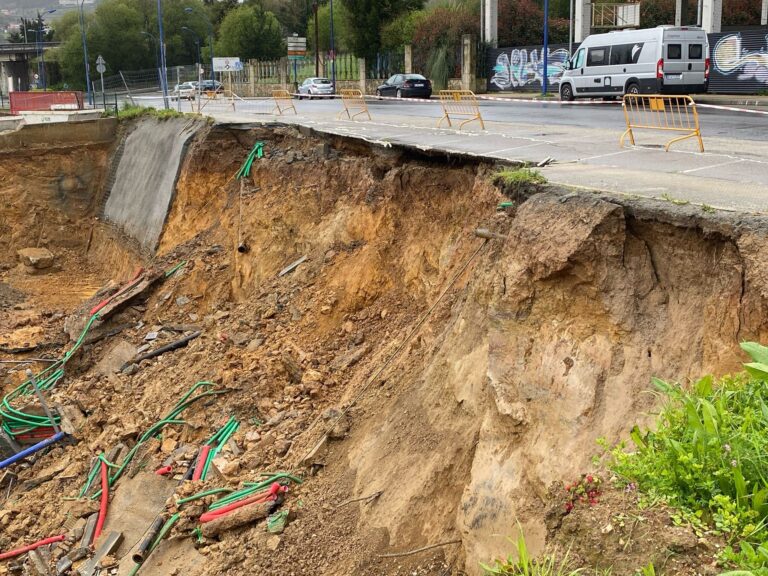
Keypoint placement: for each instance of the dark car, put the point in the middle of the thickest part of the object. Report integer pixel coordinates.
(406, 86)
(211, 86)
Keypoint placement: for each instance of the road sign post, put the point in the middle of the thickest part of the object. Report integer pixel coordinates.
(101, 68)
(297, 50)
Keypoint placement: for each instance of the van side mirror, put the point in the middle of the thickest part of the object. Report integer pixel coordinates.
(568, 65)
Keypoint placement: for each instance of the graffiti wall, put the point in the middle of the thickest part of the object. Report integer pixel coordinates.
(523, 68)
(739, 65)
(739, 62)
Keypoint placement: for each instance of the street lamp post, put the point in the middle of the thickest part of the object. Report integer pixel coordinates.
(155, 46)
(85, 55)
(545, 49)
(41, 48)
(333, 53)
(199, 59)
(190, 10)
(317, 40)
(163, 72)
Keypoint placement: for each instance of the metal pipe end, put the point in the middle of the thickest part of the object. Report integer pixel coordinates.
(243, 248)
(488, 235)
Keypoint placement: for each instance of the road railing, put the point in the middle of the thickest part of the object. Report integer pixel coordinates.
(354, 104)
(461, 103)
(283, 102)
(661, 113)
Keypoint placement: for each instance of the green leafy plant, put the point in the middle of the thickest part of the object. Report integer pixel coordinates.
(707, 457)
(525, 565)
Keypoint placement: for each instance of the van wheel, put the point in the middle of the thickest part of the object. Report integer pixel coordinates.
(633, 89)
(566, 93)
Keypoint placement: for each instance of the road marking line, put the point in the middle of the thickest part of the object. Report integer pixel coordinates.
(604, 155)
(712, 166)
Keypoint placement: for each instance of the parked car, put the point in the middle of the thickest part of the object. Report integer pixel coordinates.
(663, 60)
(185, 91)
(406, 86)
(211, 86)
(316, 87)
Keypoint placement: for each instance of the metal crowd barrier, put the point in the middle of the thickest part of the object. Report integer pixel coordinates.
(354, 104)
(665, 113)
(460, 103)
(283, 102)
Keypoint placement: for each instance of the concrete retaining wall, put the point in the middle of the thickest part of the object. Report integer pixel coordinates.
(145, 178)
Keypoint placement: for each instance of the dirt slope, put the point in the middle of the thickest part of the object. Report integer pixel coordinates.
(543, 342)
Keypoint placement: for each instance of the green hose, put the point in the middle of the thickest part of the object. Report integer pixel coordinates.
(220, 438)
(16, 422)
(203, 495)
(252, 489)
(256, 152)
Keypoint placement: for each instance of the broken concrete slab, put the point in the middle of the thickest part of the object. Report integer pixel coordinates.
(136, 504)
(36, 258)
(106, 545)
(118, 355)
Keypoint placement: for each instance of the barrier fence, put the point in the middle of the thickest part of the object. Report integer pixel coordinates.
(662, 113)
(354, 104)
(462, 103)
(45, 101)
(283, 102)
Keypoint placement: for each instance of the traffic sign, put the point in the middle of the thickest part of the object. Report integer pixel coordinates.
(100, 65)
(297, 47)
(227, 65)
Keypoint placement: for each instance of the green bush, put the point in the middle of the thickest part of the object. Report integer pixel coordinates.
(707, 456)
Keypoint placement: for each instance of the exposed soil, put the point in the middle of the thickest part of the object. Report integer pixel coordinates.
(542, 343)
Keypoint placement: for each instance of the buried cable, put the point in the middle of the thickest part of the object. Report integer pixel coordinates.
(30, 547)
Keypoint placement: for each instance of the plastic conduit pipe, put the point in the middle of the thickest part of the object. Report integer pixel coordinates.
(104, 501)
(23, 550)
(32, 449)
(201, 460)
(260, 498)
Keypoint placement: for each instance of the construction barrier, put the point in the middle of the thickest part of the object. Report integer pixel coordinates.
(45, 101)
(666, 113)
(460, 103)
(354, 104)
(283, 102)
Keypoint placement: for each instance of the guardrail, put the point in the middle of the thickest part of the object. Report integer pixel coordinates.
(664, 113)
(281, 97)
(354, 104)
(460, 103)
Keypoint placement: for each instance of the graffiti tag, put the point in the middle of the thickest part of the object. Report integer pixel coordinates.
(521, 67)
(729, 57)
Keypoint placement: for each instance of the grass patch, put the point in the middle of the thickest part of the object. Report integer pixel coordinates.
(520, 176)
(673, 200)
(707, 456)
(131, 112)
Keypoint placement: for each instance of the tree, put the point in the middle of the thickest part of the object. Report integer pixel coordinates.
(28, 32)
(437, 40)
(292, 14)
(401, 30)
(521, 24)
(249, 32)
(342, 34)
(366, 18)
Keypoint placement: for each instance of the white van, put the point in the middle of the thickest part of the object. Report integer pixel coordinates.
(663, 60)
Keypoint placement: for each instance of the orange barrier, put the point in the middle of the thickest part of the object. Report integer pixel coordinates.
(281, 97)
(665, 113)
(354, 104)
(460, 103)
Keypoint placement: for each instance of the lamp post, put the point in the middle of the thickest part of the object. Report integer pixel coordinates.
(155, 46)
(545, 49)
(41, 48)
(199, 59)
(85, 55)
(190, 10)
(161, 36)
(317, 40)
(333, 52)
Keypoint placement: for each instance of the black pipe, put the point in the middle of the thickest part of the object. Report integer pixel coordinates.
(162, 350)
(143, 550)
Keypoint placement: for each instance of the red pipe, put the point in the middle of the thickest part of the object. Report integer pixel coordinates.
(259, 498)
(106, 301)
(20, 551)
(201, 458)
(164, 470)
(104, 501)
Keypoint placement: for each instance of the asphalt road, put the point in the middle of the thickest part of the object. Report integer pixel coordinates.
(583, 114)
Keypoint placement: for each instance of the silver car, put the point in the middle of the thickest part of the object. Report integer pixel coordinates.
(316, 87)
(184, 91)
